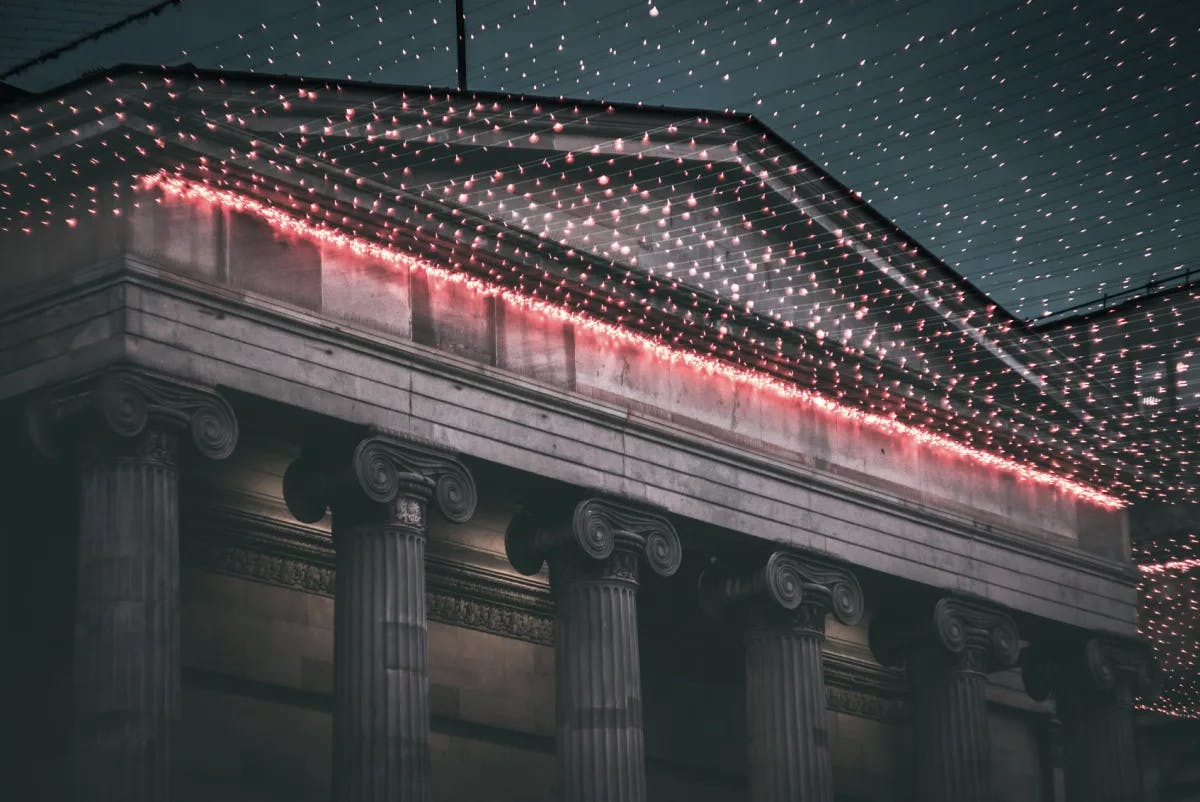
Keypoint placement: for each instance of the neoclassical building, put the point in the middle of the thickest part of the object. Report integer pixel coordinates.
(388, 443)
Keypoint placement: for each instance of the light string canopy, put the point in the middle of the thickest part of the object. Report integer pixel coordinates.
(199, 191)
(778, 269)
(1169, 618)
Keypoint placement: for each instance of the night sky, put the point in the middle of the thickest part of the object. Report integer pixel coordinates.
(1046, 150)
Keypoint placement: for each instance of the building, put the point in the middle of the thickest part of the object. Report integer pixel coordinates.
(656, 464)
(1145, 346)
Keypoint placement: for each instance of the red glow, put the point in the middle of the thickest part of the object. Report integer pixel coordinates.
(286, 223)
(1172, 565)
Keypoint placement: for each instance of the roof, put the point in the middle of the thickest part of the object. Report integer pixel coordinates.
(704, 230)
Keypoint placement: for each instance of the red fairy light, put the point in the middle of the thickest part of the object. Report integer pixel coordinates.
(286, 223)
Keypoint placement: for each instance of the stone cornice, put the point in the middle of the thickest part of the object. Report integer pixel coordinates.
(224, 301)
(673, 435)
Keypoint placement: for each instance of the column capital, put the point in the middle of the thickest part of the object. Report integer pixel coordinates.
(972, 634)
(382, 471)
(1120, 668)
(788, 590)
(125, 400)
(596, 529)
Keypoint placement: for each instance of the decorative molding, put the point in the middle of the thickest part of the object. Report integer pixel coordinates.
(866, 705)
(283, 553)
(861, 687)
(790, 589)
(598, 529)
(382, 469)
(125, 400)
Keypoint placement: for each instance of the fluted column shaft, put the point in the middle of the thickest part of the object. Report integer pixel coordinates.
(782, 603)
(1094, 680)
(951, 728)
(594, 551)
(601, 745)
(1099, 751)
(381, 678)
(379, 491)
(788, 729)
(949, 647)
(127, 619)
(124, 424)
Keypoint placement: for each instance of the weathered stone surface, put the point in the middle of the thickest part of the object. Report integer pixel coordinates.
(1094, 682)
(379, 493)
(594, 554)
(782, 605)
(948, 650)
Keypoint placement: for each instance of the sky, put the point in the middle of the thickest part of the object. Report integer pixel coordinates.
(1047, 150)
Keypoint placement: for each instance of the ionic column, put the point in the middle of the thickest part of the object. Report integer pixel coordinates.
(125, 426)
(594, 554)
(1094, 682)
(782, 605)
(948, 653)
(379, 492)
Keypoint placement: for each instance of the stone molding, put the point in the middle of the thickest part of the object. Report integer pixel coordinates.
(973, 635)
(278, 552)
(788, 589)
(1084, 572)
(380, 470)
(610, 532)
(125, 400)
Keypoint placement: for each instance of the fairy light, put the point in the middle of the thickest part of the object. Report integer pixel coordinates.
(195, 191)
(1169, 618)
(1051, 150)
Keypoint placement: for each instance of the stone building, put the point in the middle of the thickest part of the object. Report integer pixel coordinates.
(394, 443)
(1146, 346)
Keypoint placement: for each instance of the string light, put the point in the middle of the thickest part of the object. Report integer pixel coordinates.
(1169, 618)
(281, 221)
(699, 231)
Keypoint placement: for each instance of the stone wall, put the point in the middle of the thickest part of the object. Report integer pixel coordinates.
(257, 650)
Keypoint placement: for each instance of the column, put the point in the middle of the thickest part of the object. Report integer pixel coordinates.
(379, 493)
(595, 552)
(782, 606)
(948, 653)
(125, 426)
(1095, 682)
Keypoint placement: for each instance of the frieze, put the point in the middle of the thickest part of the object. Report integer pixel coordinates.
(283, 553)
(280, 553)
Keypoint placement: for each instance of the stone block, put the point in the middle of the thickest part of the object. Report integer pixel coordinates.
(263, 260)
(366, 292)
(179, 235)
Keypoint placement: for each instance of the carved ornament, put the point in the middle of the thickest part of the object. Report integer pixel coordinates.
(788, 589)
(602, 531)
(380, 470)
(125, 401)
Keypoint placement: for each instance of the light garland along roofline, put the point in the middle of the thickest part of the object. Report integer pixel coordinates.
(1023, 386)
(284, 222)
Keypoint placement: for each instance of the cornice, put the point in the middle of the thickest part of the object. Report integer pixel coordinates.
(502, 383)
